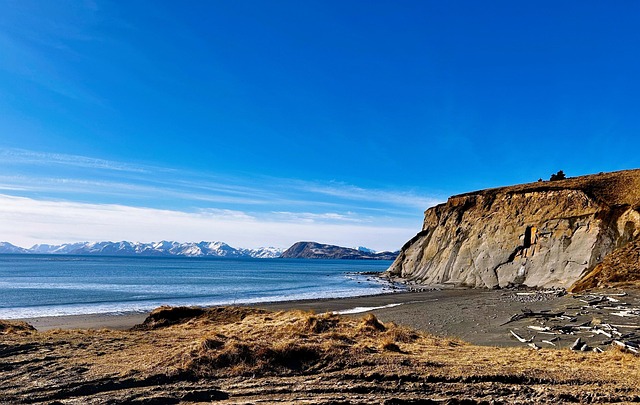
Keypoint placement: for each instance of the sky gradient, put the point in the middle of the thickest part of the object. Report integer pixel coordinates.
(263, 123)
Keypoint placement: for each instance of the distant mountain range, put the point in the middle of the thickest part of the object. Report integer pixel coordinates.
(162, 248)
(299, 250)
(314, 250)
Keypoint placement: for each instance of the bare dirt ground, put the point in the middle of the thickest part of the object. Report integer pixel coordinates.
(252, 356)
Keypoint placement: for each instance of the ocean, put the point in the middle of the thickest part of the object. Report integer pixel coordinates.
(54, 285)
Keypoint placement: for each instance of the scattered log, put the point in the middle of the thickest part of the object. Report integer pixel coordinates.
(530, 314)
(593, 300)
(520, 338)
(626, 346)
(626, 326)
(601, 332)
(539, 328)
(627, 313)
(577, 345)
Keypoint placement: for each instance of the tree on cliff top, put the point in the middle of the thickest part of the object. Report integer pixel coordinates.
(558, 176)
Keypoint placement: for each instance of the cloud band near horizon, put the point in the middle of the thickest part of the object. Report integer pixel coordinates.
(26, 221)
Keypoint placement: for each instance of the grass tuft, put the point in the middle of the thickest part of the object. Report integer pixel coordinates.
(371, 323)
(16, 327)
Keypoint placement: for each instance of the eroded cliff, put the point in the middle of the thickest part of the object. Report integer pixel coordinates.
(540, 234)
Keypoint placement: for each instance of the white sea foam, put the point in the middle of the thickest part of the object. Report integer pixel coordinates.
(359, 310)
(145, 306)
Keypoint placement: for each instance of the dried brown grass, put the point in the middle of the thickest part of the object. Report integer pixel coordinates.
(16, 327)
(246, 342)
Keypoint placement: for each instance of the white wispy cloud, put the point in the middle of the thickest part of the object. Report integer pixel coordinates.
(28, 221)
(140, 180)
(112, 188)
(351, 192)
(23, 156)
(318, 217)
(53, 198)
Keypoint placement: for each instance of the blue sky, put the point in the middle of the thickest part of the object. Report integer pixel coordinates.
(267, 122)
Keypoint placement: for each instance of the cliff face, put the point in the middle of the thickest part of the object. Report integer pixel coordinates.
(541, 234)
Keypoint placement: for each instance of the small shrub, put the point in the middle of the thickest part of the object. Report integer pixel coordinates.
(558, 176)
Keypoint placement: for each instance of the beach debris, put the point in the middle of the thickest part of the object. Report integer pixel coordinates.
(590, 323)
(633, 348)
(577, 345)
(520, 338)
(526, 313)
(539, 328)
(627, 313)
(626, 326)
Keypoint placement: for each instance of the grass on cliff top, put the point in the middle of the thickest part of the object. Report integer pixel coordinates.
(226, 342)
(615, 188)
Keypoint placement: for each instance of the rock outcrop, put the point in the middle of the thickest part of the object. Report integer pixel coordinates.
(314, 250)
(540, 234)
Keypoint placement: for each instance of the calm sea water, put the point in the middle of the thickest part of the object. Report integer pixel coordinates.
(34, 285)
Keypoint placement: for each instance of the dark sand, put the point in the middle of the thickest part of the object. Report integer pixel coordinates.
(476, 316)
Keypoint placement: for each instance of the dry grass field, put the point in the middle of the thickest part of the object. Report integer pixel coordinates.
(248, 355)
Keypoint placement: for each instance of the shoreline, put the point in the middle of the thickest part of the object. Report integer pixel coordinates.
(472, 315)
(480, 317)
(127, 319)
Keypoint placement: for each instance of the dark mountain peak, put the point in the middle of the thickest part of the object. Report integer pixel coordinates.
(315, 250)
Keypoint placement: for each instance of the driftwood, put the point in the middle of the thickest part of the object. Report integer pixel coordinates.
(587, 331)
(577, 345)
(632, 312)
(602, 332)
(520, 338)
(530, 314)
(593, 301)
(626, 346)
(539, 328)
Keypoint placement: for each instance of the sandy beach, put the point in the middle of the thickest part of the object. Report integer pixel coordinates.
(476, 316)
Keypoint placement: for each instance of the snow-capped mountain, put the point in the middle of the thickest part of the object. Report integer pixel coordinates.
(6, 247)
(55, 249)
(263, 253)
(162, 248)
